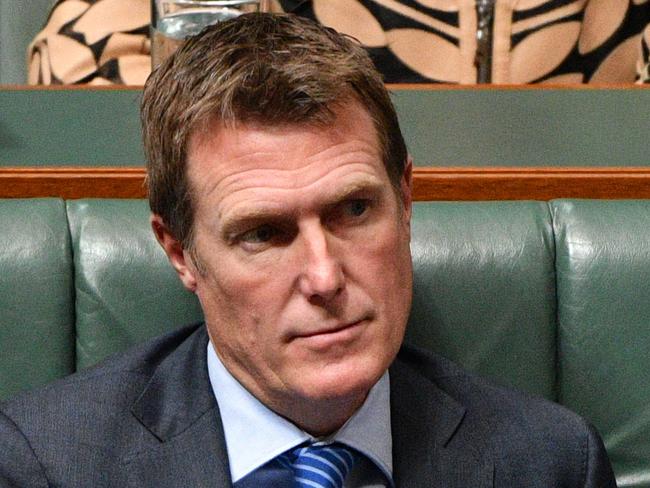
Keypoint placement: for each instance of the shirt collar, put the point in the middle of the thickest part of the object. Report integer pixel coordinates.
(255, 434)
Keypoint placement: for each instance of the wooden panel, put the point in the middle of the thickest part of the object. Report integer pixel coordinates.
(429, 183)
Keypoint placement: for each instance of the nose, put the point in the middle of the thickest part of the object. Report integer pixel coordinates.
(322, 276)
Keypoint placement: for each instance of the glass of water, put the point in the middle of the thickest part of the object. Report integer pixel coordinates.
(173, 21)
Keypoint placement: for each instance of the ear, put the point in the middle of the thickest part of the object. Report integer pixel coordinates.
(406, 189)
(177, 256)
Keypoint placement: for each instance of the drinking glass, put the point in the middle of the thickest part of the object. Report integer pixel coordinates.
(173, 21)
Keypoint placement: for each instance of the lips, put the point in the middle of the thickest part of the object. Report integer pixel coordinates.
(331, 330)
(326, 337)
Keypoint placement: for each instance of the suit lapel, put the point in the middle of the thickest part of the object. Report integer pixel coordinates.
(431, 447)
(187, 446)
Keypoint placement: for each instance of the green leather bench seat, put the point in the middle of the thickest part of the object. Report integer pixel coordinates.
(37, 330)
(551, 298)
(603, 276)
(125, 289)
(484, 289)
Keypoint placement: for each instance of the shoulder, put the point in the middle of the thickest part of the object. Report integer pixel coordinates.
(483, 398)
(89, 410)
(117, 379)
(522, 433)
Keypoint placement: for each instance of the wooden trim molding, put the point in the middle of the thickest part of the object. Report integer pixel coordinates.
(530, 183)
(71, 183)
(428, 183)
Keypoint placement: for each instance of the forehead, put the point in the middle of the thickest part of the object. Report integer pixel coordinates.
(227, 159)
(338, 119)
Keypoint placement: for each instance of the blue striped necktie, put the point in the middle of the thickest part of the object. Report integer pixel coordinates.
(320, 465)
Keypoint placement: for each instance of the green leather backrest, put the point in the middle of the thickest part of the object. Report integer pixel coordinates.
(484, 289)
(488, 303)
(603, 280)
(36, 294)
(126, 291)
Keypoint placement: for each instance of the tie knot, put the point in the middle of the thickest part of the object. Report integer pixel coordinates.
(321, 465)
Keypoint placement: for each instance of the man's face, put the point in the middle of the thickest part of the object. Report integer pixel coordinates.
(304, 269)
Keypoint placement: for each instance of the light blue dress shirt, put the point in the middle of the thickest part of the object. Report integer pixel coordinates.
(255, 434)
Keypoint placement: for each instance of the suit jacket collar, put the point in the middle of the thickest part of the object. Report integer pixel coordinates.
(178, 393)
(431, 446)
(187, 448)
(179, 409)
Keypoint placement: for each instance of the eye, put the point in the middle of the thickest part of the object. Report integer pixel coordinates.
(259, 235)
(356, 207)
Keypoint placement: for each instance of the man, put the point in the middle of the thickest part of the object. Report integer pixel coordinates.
(280, 189)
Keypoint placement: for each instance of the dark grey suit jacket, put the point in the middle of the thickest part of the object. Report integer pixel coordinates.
(149, 419)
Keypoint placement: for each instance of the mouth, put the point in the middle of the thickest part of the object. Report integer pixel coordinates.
(332, 330)
(337, 334)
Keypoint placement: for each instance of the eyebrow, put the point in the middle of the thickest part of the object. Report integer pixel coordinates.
(355, 189)
(241, 220)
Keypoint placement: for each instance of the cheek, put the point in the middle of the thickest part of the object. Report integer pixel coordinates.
(240, 306)
(388, 255)
(235, 286)
(236, 327)
(391, 277)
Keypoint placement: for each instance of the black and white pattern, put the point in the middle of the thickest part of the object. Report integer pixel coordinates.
(411, 41)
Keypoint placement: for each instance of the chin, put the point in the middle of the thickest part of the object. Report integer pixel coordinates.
(348, 382)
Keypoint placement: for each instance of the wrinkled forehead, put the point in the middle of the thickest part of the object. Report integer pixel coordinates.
(218, 152)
